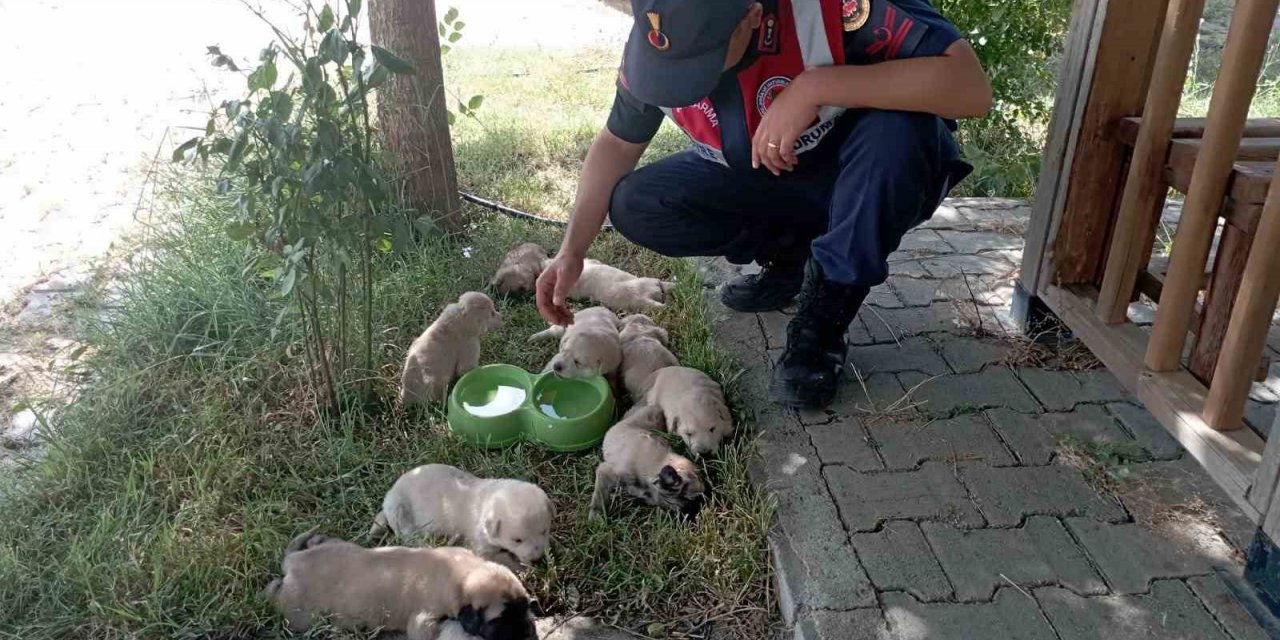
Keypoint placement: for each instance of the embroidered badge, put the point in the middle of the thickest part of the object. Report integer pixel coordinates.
(769, 89)
(854, 14)
(890, 36)
(657, 38)
(768, 42)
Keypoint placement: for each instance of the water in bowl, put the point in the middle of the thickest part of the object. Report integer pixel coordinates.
(568, 399)
(504, 400)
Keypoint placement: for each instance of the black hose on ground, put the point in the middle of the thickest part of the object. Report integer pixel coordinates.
(515, 213)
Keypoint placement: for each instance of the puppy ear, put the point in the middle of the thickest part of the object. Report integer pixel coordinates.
(669, 479)
(471, 621)
(493, 526)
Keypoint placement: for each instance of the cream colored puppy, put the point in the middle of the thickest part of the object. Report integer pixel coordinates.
(644, 464)
(520, 268)
(448, 348)
(609, 286)
(399, 589)
(507, 521)
(694, 406)
(644, 352)
(590, 346)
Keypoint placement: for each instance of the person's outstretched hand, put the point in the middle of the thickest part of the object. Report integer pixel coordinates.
(554, 285)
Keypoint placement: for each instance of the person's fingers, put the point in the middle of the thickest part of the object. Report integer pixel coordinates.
(774, 157)
(788, 151)
(756, 155)
(545, 290)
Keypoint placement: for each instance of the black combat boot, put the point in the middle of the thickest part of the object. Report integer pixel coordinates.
(810, 369)
(773, 288)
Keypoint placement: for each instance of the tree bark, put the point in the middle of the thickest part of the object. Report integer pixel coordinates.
(412, 110)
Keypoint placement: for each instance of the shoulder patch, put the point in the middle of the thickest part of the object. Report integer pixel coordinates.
(888, 33)
(854, 14)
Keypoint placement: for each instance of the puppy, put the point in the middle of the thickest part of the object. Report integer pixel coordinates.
(644, 352)
(520, 268)
(694, 406)
(506, 521)
(589, 347)
(609, 286)
(643, 463)
(416, 591)
(448, 348)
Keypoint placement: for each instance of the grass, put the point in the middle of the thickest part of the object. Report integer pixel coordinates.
(195, 452)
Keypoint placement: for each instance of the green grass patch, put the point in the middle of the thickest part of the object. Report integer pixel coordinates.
(195, 452)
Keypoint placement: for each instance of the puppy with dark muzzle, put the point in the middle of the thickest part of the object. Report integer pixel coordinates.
(639, 460)
(417, 591)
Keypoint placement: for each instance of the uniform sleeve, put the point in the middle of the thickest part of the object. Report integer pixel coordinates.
(631, 119)
(897, 29)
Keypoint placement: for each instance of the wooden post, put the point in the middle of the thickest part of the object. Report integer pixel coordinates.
(1241, 61)
(1250, 321)
(1219, 296)
(1145, 188)
(1127, 43)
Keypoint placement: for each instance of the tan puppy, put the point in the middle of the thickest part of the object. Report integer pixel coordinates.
(641, 461)
(590, 346)
(399, 589)
(644, 352)
(609, 286)
(694, 406)
(507, 521)
(520, 269)
(448, 348)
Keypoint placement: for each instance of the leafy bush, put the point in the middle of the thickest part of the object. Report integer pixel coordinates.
(1019, 43)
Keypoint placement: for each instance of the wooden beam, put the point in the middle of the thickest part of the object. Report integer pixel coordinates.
(1241, 61)
(1249, 315)
(1220, 296)
(1127, 128)
(1175, 399)
(1074, 80)
(1128, 39)
(1143, 188)
(1267, 479)
(1248, 149)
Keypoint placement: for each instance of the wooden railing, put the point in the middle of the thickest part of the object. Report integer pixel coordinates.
(1116, 149)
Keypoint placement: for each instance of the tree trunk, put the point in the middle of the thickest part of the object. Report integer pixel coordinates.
(412, 111)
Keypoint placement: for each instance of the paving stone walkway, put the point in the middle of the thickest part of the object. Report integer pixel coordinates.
(967, 483)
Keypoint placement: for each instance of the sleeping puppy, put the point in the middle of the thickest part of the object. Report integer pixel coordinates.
(588, 347)
(694, 406)
(644, 352)
(609, 286)
(643, 463)
(506, 521)
(448, 348)
(399, 589)
(520, 269)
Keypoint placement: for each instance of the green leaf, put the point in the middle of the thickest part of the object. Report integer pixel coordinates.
(475, 102)
(444, 48)
(328, 137)
(333, 48)
(221, 146)
(326, 19)
(452, 118)
(236, 153)
(375, 75)
(240, 230)
(383, 245)
(391, 61)
(264, 77)
(457, 26)
(353, 7)
(451, 15)
(441, 28)
(286, 283)
(455, 36)
(180, 153)
(346, 24)
(210, 127)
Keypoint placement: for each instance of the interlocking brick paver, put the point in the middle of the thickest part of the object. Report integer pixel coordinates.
(931, 493)
(1238, 622)
(1036, 437)
(1155, 490)
(1011, 616)
(1130, 556)
(774, 325)
(891, 325)
(845, 442)
(1063, 390)
(982, 560)
(912, 354)
(956, 264)
(915, 292)
(947, 395)
(908, 263)
(883, 297)
(1007, 495)
(898, 558)
(971, 355)
(1171, 612)
(967, 438)
(858, 333)
(874, 394)
(1146, 430)
(859, 624)
(927, 241)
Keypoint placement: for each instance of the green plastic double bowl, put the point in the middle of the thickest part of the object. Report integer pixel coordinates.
(498, 405)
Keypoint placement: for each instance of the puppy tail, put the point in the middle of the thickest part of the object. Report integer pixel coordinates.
(379, 528)
(554, 332)
(305, 541)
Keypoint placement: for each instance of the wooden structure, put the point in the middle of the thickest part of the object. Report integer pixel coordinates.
(1116, 149)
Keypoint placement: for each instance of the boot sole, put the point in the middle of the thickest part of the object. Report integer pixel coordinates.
(802, 399)
(773, 305)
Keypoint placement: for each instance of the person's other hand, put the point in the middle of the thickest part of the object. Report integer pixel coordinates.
(774, 143)
(554, 285)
